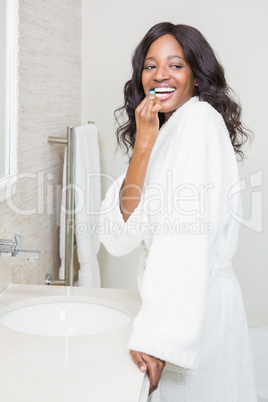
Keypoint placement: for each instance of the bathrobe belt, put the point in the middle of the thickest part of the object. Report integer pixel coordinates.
(218, 270)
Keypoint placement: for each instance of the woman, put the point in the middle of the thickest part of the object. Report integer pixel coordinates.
(179, 200)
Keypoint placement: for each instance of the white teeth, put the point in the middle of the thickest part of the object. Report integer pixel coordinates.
(163, 89)
(161, 95)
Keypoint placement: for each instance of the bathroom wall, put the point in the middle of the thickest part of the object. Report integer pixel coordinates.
(237, 30)
(49, 101)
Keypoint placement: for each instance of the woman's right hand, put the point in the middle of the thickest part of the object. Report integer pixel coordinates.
(147, 121)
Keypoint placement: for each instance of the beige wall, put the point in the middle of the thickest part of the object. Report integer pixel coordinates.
(237, 30)
(49, 101)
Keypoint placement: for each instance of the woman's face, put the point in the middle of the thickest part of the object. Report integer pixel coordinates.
(166, 71)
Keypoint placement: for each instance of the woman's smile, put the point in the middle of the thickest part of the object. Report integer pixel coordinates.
(163, 91)
(168, 74)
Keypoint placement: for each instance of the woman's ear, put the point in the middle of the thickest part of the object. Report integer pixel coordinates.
(195, 82)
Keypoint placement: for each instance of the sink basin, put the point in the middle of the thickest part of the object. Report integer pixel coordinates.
(65, 319)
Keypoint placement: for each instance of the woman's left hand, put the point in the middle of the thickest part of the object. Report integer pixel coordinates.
(153, 365)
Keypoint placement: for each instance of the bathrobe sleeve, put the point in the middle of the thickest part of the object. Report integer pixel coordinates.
(176, 278)
(120, 237)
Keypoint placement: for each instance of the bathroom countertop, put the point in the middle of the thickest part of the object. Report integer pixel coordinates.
(88, 368)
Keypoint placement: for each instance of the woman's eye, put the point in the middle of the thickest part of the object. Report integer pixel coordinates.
(148, 67)
(176, 66)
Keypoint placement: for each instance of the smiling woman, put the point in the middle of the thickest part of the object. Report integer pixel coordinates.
(167, 72)
(191, 333)
(209, 82)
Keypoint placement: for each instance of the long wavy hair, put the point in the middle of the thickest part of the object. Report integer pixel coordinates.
(208, 72)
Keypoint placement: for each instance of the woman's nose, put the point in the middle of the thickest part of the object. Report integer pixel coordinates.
(161, 74)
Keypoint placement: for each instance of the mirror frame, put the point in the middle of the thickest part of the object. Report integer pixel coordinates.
(7, 182)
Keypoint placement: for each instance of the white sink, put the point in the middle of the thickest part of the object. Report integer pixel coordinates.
(65, 319)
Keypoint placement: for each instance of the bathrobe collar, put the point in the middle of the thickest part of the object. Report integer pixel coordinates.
(168, 126)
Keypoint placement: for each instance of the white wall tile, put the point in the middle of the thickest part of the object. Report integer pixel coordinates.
(49, 101)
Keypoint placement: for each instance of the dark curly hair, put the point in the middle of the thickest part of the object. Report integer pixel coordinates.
(208, 72)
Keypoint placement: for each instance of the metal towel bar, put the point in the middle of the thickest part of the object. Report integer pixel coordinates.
(69, 206)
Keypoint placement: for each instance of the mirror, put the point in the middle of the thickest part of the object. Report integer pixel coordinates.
(3, 139)
(8, 91)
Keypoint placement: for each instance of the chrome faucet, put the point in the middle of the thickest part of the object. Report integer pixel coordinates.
(14, 249)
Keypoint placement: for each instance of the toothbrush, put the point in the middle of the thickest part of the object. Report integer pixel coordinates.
(152, 92)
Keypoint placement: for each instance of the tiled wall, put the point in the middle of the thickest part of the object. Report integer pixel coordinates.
(49, 101)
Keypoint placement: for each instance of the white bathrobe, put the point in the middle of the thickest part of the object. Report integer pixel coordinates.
(192, 314)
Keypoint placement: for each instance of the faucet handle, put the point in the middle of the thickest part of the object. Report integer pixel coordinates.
(18, 242)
